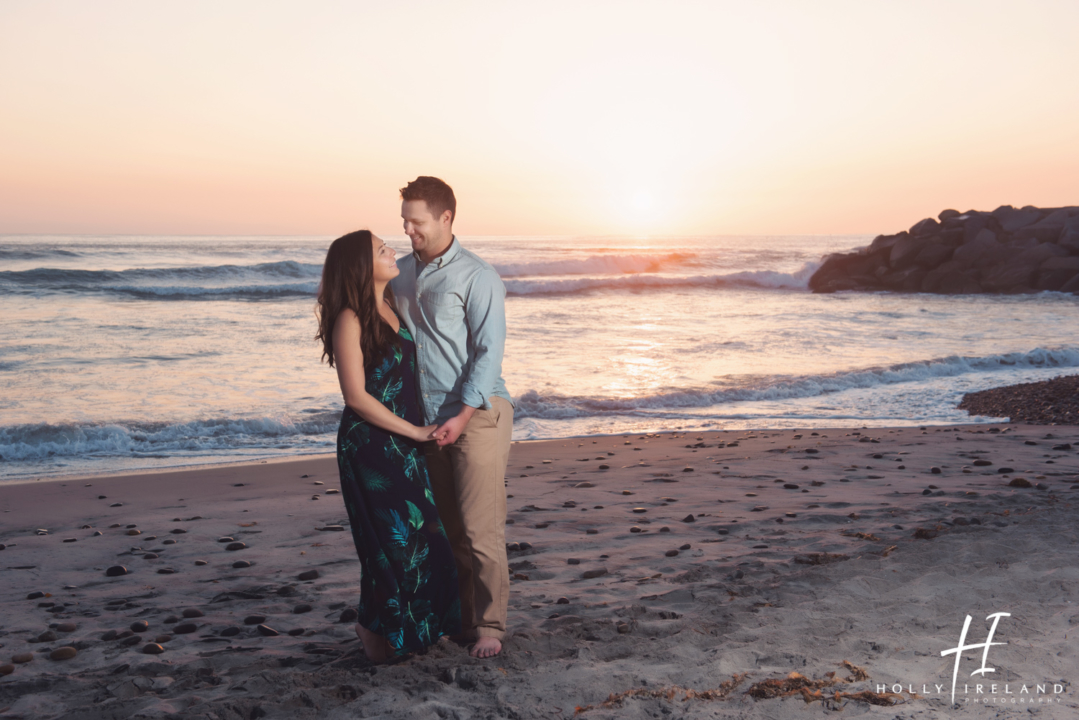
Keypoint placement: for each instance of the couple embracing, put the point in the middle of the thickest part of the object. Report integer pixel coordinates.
(425, 433)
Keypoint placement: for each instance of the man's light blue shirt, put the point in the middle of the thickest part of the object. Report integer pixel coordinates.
(455, 308)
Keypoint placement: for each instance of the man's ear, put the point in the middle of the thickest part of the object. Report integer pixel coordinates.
(446, 218)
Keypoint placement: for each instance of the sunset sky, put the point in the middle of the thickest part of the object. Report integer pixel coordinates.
(580, 117)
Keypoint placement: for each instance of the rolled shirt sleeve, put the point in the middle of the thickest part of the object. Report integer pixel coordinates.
(485, 315)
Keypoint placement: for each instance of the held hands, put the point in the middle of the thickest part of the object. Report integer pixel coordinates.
(448, 432)
(423, 434)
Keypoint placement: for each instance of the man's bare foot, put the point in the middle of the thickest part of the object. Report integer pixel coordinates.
(486, 647)
(375, 646)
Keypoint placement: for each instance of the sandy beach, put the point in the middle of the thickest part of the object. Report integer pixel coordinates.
(788, 572)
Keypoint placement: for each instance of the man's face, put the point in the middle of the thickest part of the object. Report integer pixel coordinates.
(429, 235)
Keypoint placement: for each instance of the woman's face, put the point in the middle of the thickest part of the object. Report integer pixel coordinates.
(385, 261)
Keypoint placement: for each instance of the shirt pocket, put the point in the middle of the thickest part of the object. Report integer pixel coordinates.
(442, 307)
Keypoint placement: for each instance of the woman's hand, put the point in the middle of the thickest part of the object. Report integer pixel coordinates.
(424, 434)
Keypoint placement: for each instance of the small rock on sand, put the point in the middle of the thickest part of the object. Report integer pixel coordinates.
(308, 575)
(23, 658)
(116, 571)
(598, 572)
(139, 626)
(235, 546)
(185, 628)
(178, 531)
(200, 562)
(301, 608)
(671, 553)
(35, 595)
(133, 531)
(349, 615)
(153, 649)
(296, 631)
(241, 564)
(192, 613)
(267, 631)
(689, 519)
(7, 669)
(162, 639)
(254, 619)
(63, 653)
(66, 627)
(117, 505)
(230, 631)
(150, 556)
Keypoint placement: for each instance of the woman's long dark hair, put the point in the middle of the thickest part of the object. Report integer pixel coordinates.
(348, 282)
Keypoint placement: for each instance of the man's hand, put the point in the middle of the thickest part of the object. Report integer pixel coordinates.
(448, 432)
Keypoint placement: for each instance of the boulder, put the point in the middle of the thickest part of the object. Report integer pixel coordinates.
(977, 223)
(1011, 219)
(1038, 254)
(909, 280)
(849, 271)
(933, 254)
(948, 215)
(969, 254)
(961, 283)
(933, 279)
(883, 242)
(925, 227)
(1072, 286)
(1056, 272)
(1010, 278)
(1069, 236)
(903, 253)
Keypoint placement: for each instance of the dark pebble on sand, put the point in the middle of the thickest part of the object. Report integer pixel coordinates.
(7, 669)
(134, 532)
(1005, 470)
(254, 619)
(225, 539)
(591, 531)
(671, 553)
(301, 608)
(526, 546)
(296, 631)
(235, 546)
(1019, 483)
(623, 628)
(35, 595)
(635, 529)
(162, 639)
(169, 541)
(178, 531)
(47, 636)
(332, 528)
(687, 469)
(287, 591)
(131, 640)
(185, 628)
(139, 626)
(63, 653)
(513, 547)
(109, 636)
(201, 562)
(935, 470)
(171, 620)
(116, 571)
(230, 631)
(982, 463)
(192, 613)
(573, 561)
(349, 615)
(598, 572)
(23, 658)
(308, 575)
(71, 540)
(153, 649)
(117, 505)
(241, 564)
(759, 508)
(685, 547)
(67, 627)
(267, 631)
(150, 556)
(166, 571)
(689, 519)
(562, 601)
(640, 510)
(927, 491)
(605, 467)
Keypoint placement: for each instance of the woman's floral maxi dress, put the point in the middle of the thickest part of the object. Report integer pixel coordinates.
(408, 582)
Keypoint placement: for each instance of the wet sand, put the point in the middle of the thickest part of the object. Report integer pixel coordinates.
(643, 567)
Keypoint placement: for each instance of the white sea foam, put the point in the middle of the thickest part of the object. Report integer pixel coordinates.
(556, 406)
(798, 280)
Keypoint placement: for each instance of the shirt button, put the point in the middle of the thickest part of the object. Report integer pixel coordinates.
(422, 372)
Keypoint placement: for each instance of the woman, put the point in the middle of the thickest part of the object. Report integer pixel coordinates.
(408, 582)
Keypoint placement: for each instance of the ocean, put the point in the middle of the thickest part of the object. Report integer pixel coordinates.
(124, 353)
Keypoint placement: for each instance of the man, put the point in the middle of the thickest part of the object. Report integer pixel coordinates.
(454, 305)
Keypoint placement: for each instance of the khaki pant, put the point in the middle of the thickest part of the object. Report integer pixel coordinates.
(468, 481)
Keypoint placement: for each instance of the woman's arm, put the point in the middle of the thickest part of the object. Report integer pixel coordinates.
(349, 361)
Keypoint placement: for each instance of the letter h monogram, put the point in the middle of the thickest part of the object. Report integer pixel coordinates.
(995, 617)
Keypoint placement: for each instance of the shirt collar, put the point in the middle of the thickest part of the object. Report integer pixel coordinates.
(451, 252)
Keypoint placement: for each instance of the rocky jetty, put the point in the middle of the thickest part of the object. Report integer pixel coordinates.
(1008, 250)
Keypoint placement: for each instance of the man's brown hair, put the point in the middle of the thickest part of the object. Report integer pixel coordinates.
(437, 194)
